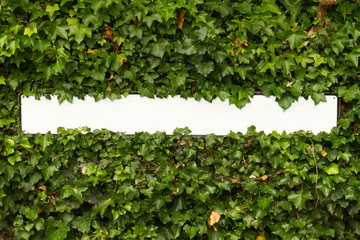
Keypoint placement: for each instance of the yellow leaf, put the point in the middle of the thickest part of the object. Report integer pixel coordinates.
(91, 50)
(43, 187)
(260, 238)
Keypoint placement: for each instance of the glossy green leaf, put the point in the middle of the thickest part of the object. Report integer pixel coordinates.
(31, 213)
(159, 48)
(205, 68)
(300, 198)
(333, 169)
(51, 9)
(56, 230)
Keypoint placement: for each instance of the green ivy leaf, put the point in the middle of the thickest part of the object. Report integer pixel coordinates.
(47, 170)
(178, 79)
(243, 71)
(300, 198)
(2, 80)
(332, 170)
(39, 224)
(186, 47)
(31, 213)
(15, 158)
(243, 7)
(30, 31)
(13, 82)
(285, 101)
(294, 6)
(190, 230)
(295, 38)
(80, 31)
(159, 48)
(205, 67)
(349, 93)
(44, 140)
(103, 205)
(223, 95)
(3, 40)
(353, 57)
(58, 30)
(118, 61)
(318, 97)
(270, 6)
(82, 223)
(26, 144)
(51, 9)
(264, 202)
(56, 230)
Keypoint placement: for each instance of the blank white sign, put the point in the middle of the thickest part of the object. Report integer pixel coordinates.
(135, 114)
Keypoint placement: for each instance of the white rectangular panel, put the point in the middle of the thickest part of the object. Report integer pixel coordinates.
(135, 114)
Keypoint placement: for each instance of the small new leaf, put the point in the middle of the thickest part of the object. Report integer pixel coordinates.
(52, 8)
(30, 31)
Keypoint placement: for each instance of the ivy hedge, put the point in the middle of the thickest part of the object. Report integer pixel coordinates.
(82, 184)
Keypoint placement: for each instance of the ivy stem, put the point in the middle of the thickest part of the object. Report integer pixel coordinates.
(316, 175)
(316, 170)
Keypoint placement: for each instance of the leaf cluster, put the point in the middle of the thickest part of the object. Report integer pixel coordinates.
(82, 184)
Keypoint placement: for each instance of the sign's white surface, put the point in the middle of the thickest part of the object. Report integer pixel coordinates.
(134, 114)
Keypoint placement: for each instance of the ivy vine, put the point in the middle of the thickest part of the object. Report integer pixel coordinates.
(82, 184)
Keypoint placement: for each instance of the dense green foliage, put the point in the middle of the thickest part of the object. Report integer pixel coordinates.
(101, 185)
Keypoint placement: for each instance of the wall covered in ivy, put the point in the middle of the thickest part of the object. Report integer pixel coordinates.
(82, 184)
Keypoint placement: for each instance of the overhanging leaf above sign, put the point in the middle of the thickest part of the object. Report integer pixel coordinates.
(135, 114)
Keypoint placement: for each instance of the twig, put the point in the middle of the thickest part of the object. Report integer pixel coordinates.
(316, 176)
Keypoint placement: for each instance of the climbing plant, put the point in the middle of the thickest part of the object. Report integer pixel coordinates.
(97, 184)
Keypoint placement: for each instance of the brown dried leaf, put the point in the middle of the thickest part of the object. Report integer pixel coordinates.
(232, 53)
(176, 192)
(260, 238)
(355, 128)
(246, 43)
(214, 218)
(263, 178)
(135, 22)
(311, 33)
(43, 187)
(180, 18)
(248, 143)
(181, 143)
(234, 180)
(323, 153)
(108, 90)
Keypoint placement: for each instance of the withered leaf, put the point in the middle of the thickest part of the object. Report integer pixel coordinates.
(214, 218)
(180, 18)
(323, 153)
(263, 178)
